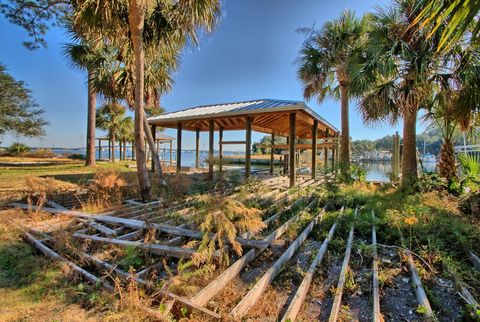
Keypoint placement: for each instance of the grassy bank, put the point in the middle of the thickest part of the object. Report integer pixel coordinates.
(74, 171)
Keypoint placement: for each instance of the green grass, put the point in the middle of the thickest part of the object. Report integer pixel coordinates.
(71, 171)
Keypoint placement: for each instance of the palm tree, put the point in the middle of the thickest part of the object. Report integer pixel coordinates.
(125, 134)
(455, 101)
(164, 25)
(111, 118)
(396, 76)
(84, 56)
(325, 61)
(454, 17)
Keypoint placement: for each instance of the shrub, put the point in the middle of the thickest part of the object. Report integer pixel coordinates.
(76, 156)
(17, 149)
(41, 153)
(106, 188)
(358, 173)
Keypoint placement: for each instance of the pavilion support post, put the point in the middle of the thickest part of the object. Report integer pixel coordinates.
(220, 150)
(293, 141)
(197, 148)
(325, 158)
(333, 159)
(154, 135)
(272, 160)
(171, 157)
(211, 129)
(109, 149)
(285, 170)
(314, 149)
(179, 147)
(99, 149)
(248, 147)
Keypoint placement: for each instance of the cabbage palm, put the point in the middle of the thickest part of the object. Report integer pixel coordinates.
(459, 16)
(397, 76)
(110, 117)
(85, 56)
(456, 100)
(144, 24)
(325, 61)
(125, 134)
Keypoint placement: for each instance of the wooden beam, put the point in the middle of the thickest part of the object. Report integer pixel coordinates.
(232, 142)
(377, 315)
(254, 294)
(337, 301)
(248, 147)
(154, 135)
(293, 148)
(419, 290)
(272, 154)
(301, 293)
(179, 147)
(314, 149)
(220, 150)
(197, 148)
(211, 129)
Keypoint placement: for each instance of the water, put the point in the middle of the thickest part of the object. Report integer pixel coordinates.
(188, 156)
(380, 171)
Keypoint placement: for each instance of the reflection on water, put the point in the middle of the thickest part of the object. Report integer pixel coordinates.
(380, 171)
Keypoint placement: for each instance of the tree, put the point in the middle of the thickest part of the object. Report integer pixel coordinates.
(125, 134)
(396, 75)
(326, 59)
(454, 17)
(19, 112)
(92, 58)
(111, 117)
(455, 100)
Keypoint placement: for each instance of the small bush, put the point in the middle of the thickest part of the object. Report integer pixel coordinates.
(41, 153)
(76, 156)
(17, 149)
(106, 189)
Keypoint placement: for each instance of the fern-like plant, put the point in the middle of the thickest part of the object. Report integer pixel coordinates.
(225, 218)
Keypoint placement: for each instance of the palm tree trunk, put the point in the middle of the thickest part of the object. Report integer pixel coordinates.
(91, 109)
(446, 165)
(113, 146)
(136, 17)
(409, 158)
(153, 148)
(345, 138)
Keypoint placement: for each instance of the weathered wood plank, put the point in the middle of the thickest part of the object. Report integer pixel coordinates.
(177, 252)
(300, 295)
(337, 301)
(419, 290)
(254, 294)
(476, 261)
(377, 315)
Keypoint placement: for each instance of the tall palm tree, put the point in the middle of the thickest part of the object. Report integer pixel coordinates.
(111, 117)
(397, 75)
(325, 61)
(169, 25)
(85, 56)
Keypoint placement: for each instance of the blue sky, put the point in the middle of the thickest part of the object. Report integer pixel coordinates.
(251, 54)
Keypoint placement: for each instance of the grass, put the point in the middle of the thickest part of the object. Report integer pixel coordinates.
(14, 178)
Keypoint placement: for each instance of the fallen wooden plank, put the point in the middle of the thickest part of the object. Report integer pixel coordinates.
(215, 286)
(177, 252)
(301, 293)
(139, 224)
(54, 255)
(377, 315)
(473, 305)
(337, 301)
(476, 261)
(419, 290)
(254, 294)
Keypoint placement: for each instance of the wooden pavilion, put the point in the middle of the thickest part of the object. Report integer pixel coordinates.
(291, 119)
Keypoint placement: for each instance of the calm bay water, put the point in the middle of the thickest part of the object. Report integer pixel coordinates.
(380, 171)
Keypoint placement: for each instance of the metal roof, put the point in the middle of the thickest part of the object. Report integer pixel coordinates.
(239, 108)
